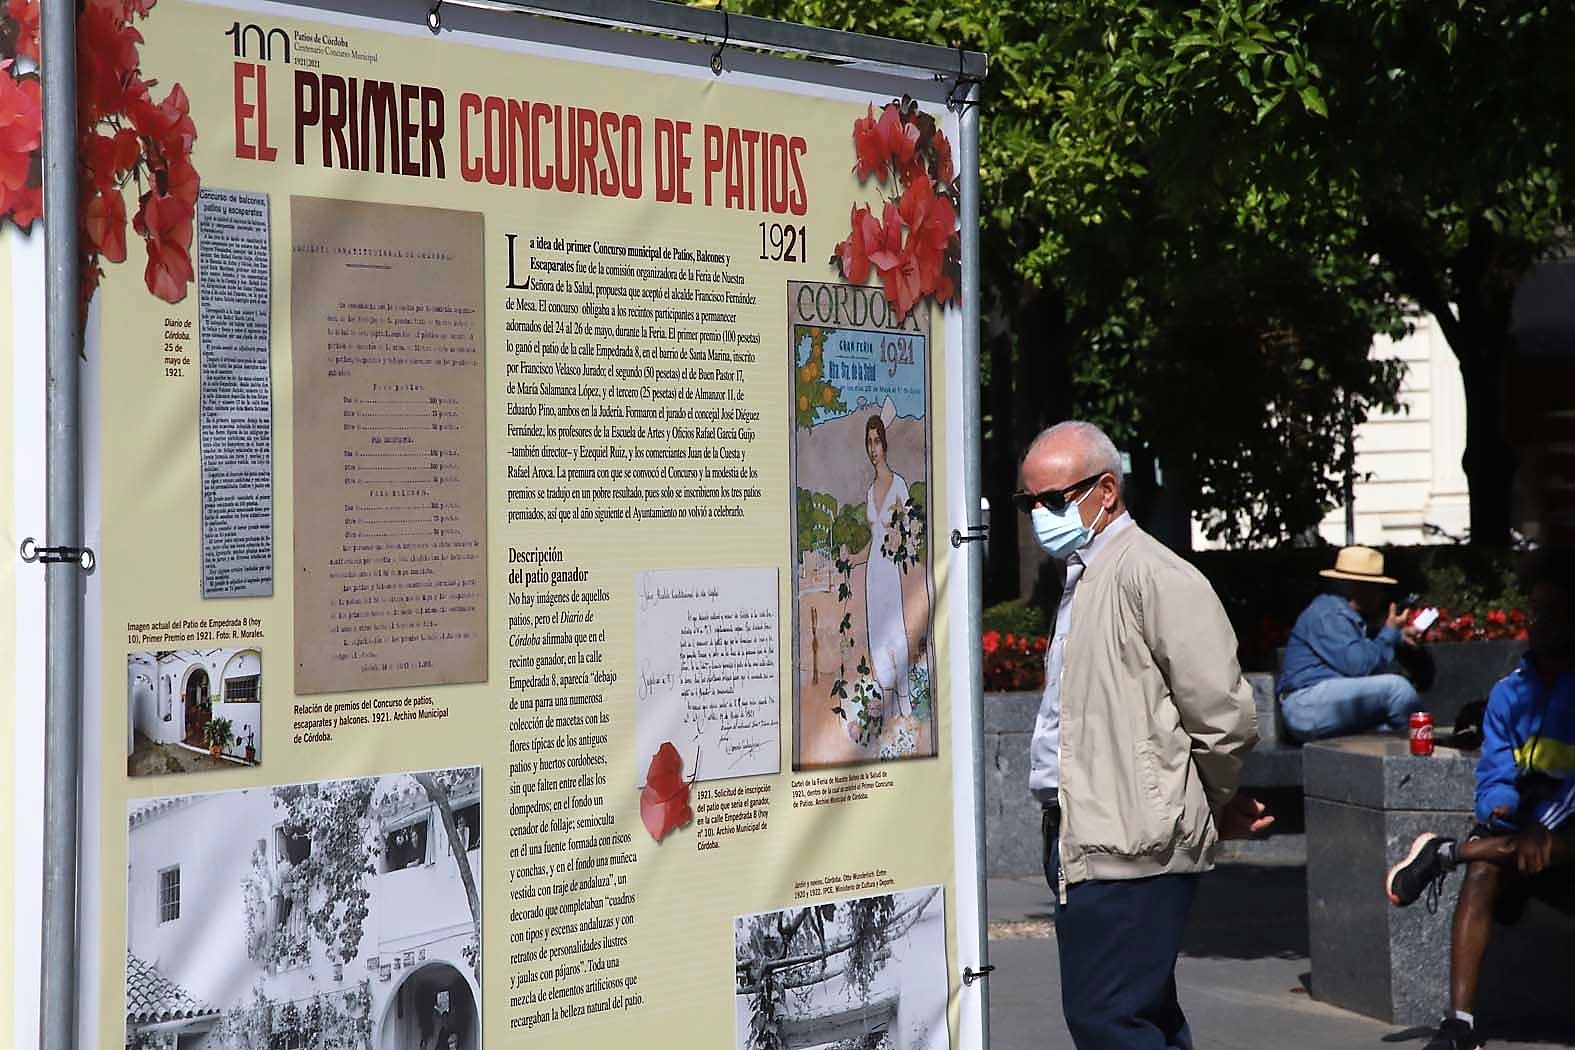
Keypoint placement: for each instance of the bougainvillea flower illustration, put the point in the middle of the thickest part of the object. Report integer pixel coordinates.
(866, 237)
(664, 802)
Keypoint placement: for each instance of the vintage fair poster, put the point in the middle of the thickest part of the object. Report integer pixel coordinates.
(518, 469)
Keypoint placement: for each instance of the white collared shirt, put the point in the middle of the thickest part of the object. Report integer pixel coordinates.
(1044, 753)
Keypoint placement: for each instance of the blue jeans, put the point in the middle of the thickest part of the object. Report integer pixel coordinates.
(1344, 706)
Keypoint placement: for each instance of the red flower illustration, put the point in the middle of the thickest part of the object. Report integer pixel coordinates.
(25, 14)
(899, 139)
(664, 802)
(21, 122)
(126, 138)
(867, 237)
(867, 148)
(914, 248)
(944, 171)
(104, 225)
(898, 267)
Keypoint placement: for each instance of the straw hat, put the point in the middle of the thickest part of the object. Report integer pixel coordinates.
(1362, 564)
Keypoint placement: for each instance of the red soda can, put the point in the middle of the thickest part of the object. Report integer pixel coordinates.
(1421, 733)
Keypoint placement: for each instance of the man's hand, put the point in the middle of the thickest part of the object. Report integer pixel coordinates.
(1397, 618)
(1242, 817)
(1534, 850)
(1410, 636)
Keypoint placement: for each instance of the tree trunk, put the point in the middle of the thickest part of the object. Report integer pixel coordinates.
(998, 471)
(1042, 395)
(1489, 460)
(1478, 333)
(445, 810)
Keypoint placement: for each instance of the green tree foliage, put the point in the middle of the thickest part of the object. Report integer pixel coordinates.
(850, 531)
(1431, 139)
(1197, 215)
(816, 513)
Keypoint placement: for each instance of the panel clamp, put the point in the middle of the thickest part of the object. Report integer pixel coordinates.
(971, 534)
(82, 557)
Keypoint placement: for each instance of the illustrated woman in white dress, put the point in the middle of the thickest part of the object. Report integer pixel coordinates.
(888, 631)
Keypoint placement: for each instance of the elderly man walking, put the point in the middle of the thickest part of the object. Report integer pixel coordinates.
(1137, 749)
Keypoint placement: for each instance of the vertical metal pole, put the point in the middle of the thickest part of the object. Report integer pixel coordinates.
(63, 524)
(968, 383)
(1349, 493)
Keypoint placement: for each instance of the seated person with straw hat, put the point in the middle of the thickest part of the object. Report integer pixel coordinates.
(1329, 682)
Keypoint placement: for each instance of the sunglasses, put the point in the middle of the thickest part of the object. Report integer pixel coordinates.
(1053, 500)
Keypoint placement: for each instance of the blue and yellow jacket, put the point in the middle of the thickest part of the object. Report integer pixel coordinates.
(1529, 726)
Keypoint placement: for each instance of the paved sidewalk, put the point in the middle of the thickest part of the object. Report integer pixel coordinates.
(1243, 973)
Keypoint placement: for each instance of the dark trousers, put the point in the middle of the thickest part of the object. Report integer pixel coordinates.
(1118, 942)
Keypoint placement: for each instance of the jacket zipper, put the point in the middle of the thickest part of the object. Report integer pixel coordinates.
(1060, 872)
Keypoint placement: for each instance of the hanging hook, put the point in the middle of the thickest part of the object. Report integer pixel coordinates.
(956, 98)
(435, 18)
(727, 34)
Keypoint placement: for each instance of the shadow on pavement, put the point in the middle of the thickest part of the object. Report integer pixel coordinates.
(1528, 980)
(1246, 911)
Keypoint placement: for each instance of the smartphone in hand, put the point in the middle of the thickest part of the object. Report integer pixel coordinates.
(1424, 619)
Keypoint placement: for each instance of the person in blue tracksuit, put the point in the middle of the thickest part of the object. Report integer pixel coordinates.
(1523, 844)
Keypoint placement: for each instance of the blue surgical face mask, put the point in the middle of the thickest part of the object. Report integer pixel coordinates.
(1063, 534)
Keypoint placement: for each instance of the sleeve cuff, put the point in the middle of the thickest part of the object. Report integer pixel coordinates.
(1503, 796)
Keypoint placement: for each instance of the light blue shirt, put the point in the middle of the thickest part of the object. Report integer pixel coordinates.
(1044, 753)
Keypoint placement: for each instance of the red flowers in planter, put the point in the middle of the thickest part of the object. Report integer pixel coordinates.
(1013, 663)
(913, 246)
(1494, 625)
(126, 138)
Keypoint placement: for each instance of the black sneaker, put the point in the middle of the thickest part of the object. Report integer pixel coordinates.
(1454, 1034)
(1421, 870)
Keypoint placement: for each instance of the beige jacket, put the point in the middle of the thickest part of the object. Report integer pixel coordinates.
(1155, 716)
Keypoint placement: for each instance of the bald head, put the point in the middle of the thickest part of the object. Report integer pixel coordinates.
(1082, 449)
(1079, 463)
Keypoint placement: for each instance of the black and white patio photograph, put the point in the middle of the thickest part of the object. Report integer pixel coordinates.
(337, 913)
(866, 973)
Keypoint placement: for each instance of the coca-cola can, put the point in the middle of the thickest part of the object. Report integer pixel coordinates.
(1421, 733)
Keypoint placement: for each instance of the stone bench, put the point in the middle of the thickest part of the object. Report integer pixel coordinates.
(1367, 798)
(1464, 672)
(1277, 760)
(1012, 845)
(1011, 816)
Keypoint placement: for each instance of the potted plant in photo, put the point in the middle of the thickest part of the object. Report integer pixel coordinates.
(219, 734)
(251, 749)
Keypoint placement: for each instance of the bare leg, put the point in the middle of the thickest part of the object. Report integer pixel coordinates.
(1501, 849)
(1473, 925)
(1564, 849)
